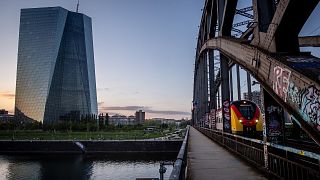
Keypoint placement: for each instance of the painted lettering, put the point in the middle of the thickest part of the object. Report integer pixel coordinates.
(281, 77)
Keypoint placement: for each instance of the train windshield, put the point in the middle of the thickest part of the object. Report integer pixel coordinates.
(247, 111)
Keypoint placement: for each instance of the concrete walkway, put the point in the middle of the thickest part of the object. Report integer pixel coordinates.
(208, 160)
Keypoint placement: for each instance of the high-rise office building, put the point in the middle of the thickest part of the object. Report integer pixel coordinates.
(140, 117)
(55, 72)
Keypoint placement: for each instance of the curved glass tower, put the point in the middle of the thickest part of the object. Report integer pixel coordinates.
(55, 72)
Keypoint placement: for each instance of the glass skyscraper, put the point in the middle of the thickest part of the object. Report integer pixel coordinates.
(55, 72)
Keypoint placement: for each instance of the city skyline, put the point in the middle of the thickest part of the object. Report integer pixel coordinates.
(131, 75)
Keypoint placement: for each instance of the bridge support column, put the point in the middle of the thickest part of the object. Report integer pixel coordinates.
(231, 84)
(249, 86)
(274, 119)
(213, 98)
(238, 82)
(211, 80)
(224, 61)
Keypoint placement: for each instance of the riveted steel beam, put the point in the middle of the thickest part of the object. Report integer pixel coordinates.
(308, 41)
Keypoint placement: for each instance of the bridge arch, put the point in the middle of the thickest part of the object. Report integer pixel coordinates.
(292, 78)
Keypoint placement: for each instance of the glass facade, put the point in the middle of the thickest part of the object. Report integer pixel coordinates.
(55, 72)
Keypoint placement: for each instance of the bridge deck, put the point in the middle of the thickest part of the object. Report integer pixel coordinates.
(208, 160)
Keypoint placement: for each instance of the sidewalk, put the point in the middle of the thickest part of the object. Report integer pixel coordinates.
(208, 160)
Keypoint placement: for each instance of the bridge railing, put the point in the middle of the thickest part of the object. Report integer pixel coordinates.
(179, 168)
(275, 160)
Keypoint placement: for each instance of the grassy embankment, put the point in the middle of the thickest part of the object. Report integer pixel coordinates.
(67, 135)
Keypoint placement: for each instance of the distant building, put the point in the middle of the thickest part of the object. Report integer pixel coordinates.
(122, 120)
(5, 116)
(3, 111)
(169, 121)
(255, 97)
(132, 120)
(140, 117)
(164, 120)
(55, 71)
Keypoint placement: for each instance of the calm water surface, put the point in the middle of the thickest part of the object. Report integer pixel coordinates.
(77, 167)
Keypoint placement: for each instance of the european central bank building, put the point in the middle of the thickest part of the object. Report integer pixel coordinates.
(55, 71)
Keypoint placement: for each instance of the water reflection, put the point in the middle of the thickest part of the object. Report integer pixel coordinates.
(79, 167)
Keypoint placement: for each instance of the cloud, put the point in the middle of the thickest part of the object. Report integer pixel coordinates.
(167, 112)
(145, 108)
(123, 108)
(103, 89)
(7, 95)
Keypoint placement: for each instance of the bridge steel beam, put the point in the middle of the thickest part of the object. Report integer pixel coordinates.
(231, 84)
(225, 92)
(307, 41)
(249, 86)
(295, 89)
(288, 19)
(238, 81)
(213, 98)
(226, 12)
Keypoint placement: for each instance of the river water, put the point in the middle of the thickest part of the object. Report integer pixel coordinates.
(79, 167)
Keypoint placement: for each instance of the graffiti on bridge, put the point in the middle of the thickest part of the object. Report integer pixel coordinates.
(310, 105)
(212, 118)
(308, 101)
(281, 77)
(226, 115)
(273, 123)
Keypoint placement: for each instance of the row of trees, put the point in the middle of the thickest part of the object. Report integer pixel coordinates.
(85, 124)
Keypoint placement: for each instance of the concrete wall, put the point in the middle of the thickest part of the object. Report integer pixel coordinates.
(90, 147)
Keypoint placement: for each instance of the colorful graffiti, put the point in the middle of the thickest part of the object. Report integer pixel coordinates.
(273, 124)
(310, 105)
(212, 117)
(308, 101)
(226, 115)
(293, 93)
(281, 77)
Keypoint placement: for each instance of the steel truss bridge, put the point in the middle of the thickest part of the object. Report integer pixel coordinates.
(266, 44)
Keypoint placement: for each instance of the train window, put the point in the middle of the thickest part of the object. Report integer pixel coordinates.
(247, 111)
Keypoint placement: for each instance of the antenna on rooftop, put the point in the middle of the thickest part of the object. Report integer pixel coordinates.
(77, 6)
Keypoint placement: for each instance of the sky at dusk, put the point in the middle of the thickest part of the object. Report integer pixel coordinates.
(144, 52)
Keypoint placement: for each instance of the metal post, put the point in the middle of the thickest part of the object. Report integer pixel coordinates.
(162, 170)
(219, 106)
(264, 133)
(238, 82)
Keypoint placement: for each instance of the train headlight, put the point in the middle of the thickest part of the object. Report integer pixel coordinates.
(240, 120)
(257, 120)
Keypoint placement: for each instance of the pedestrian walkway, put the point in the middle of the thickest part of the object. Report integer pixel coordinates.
(208, 160)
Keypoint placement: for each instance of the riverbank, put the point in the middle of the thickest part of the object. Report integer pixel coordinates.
(71, 135)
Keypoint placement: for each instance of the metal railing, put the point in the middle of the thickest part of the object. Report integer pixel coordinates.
(180, 165)
(275, 160)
